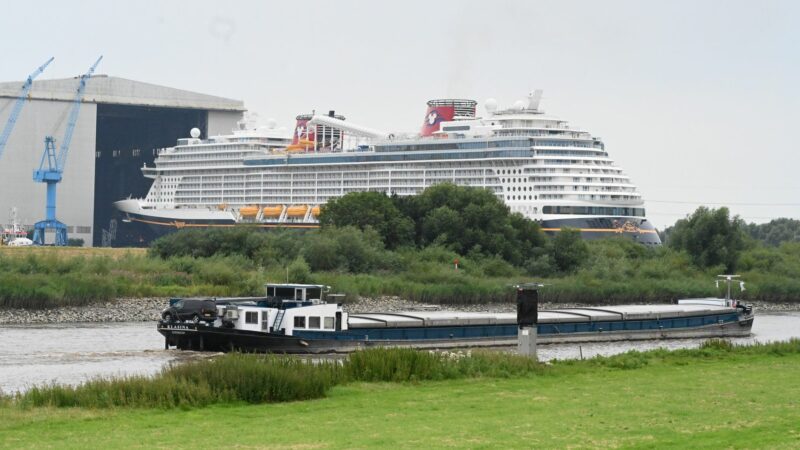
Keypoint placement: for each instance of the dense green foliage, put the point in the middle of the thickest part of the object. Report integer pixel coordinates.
(469, 221)
(710, 237)
(268, 379)
(370, 210)
(775, 232)
(569, 250)
(355, 263)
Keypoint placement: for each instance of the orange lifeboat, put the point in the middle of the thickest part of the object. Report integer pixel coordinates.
(248, 211)
(315, 211)
(272, 211)
(297, 211)
(301, 146)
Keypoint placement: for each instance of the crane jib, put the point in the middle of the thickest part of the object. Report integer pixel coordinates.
(20, 102)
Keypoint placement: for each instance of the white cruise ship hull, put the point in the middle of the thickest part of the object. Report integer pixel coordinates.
(163, 221)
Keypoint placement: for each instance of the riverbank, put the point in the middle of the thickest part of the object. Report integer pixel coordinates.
(149, 309)
(653, 399)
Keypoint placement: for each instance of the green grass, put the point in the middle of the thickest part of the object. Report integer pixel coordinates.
(714, 397)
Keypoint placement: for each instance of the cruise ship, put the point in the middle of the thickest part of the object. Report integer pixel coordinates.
(538, 164)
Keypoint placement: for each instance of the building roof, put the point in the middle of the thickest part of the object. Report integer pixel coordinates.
(121, 91)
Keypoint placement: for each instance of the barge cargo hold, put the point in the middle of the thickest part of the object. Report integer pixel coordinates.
(295, 319)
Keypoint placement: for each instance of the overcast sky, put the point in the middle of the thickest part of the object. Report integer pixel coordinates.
(697, 100)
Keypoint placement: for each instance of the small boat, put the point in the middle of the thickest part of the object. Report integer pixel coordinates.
(296, 318)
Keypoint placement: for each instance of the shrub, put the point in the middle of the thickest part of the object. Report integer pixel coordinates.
(298, 271)
(568, 249)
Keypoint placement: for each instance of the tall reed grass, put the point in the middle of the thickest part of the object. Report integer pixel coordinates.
(230, 378)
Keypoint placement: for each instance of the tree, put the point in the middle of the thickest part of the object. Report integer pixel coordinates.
(710, 237)
(776, 231)
(465, 218)
(369, 209)
(568, 250)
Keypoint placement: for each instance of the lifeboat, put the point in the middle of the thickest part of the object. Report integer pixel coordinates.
(248, 211)
(315, 211)
(272, 211)
(297, 211)
(300, 146)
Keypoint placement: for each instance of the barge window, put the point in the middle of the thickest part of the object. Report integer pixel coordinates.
(329, 323)
(313, 322)
(299, 321)
(284, 293)
(251, 317)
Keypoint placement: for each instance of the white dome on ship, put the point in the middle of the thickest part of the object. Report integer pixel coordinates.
(490, 105)
(195, 133)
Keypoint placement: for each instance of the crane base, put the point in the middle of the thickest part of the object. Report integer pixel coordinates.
(41, 227)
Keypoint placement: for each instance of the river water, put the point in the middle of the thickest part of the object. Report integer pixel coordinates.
(72, 353)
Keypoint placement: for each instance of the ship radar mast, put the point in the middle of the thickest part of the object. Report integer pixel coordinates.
(534, 98)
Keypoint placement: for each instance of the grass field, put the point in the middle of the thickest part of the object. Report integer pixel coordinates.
(739, 400)
(71, 252)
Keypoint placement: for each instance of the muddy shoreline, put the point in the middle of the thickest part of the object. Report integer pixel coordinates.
(149, 309)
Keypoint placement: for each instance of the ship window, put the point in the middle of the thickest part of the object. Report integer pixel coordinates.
(299, 322)
(251, 317)
(329, 323)
(313, 322)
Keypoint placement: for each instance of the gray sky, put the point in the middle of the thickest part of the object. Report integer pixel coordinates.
(696, 100)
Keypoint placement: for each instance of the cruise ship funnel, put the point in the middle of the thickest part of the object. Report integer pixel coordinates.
(445, 110)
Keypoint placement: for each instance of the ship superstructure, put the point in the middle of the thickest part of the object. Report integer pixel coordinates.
(539, 165)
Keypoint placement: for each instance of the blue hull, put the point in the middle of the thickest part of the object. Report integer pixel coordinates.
(203, 337)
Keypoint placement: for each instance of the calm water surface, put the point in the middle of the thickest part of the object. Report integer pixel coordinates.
(72, 353)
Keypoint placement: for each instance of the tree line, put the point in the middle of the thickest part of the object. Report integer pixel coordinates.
(367, 231)
(362, 232)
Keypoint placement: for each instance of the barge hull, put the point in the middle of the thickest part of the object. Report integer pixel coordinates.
(208, 338)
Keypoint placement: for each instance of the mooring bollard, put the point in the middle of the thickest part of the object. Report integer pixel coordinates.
(527, 318)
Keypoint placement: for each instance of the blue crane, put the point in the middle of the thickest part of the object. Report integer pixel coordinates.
(17, 109)
(51, 168)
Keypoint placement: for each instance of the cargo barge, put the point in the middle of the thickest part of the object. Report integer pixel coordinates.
(296, 318)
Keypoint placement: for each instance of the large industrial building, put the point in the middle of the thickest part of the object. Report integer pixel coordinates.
(121, 126)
